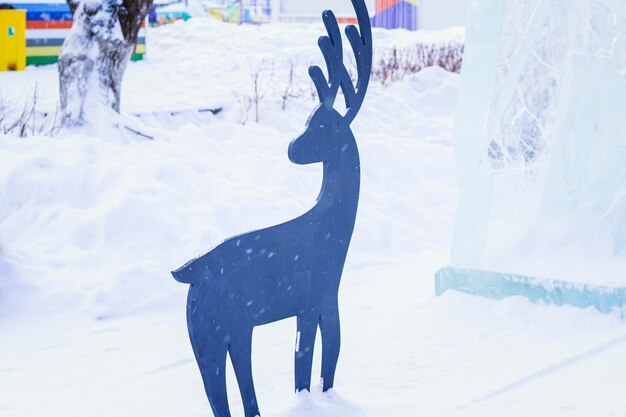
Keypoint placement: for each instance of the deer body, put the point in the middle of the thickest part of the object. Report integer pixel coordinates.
(273, 271)
(292, 269)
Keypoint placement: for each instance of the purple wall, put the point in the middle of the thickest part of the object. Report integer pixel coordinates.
(401, 15)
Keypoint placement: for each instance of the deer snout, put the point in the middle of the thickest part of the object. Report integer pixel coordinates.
(294, 152)
(303, 150)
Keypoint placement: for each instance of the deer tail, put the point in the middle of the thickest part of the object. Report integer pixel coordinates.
(186, 274)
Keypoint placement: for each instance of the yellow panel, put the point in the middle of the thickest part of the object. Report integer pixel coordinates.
(43, 51)
(4, 48)
(20, 35)
(12, 39)
(56, 50)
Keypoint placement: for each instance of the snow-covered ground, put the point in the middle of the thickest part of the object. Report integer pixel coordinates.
(91, 223)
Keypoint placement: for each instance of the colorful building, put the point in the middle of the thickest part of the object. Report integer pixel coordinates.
(47, 25)
(389, 14)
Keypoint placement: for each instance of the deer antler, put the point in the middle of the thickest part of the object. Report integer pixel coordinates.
(332, 49)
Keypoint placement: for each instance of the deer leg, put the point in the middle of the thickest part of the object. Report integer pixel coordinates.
(212, 361)
(305, 341)
(241, 355)
(331, 341)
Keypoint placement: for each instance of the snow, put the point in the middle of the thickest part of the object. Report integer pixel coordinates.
(92, 221)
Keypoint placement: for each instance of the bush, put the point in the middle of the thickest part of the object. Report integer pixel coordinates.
(393, 64)
(23, 119)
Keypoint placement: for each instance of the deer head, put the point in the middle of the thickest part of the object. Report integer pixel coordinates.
(327, 130)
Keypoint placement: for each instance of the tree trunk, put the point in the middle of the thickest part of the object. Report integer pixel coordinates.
(95, 55)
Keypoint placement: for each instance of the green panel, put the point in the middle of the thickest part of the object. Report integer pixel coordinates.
(47, 60)
(498, 285)
(41, 60)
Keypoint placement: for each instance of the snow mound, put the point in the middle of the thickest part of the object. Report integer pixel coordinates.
(96, 220)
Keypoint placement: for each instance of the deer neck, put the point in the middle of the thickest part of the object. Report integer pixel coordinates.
(339, 195)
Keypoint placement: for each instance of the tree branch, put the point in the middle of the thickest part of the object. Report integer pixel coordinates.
(131, 16)
(73, 5)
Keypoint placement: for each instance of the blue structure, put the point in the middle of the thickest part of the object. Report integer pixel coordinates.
(293, 269)
(497, 286)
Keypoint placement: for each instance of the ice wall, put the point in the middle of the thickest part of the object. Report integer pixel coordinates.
(541, 140)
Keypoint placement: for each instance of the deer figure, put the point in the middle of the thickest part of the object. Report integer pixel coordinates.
(292, 269)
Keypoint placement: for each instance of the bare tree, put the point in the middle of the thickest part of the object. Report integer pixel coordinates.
(96, 53)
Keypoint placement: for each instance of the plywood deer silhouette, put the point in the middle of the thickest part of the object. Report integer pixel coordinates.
(292, 269)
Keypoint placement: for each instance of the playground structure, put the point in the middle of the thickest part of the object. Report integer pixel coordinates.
(540, 145)
(242, 11)
(254, 11)
(160, 16)
(47, 25)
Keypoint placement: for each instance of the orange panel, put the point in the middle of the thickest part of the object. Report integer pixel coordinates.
(48, 24)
